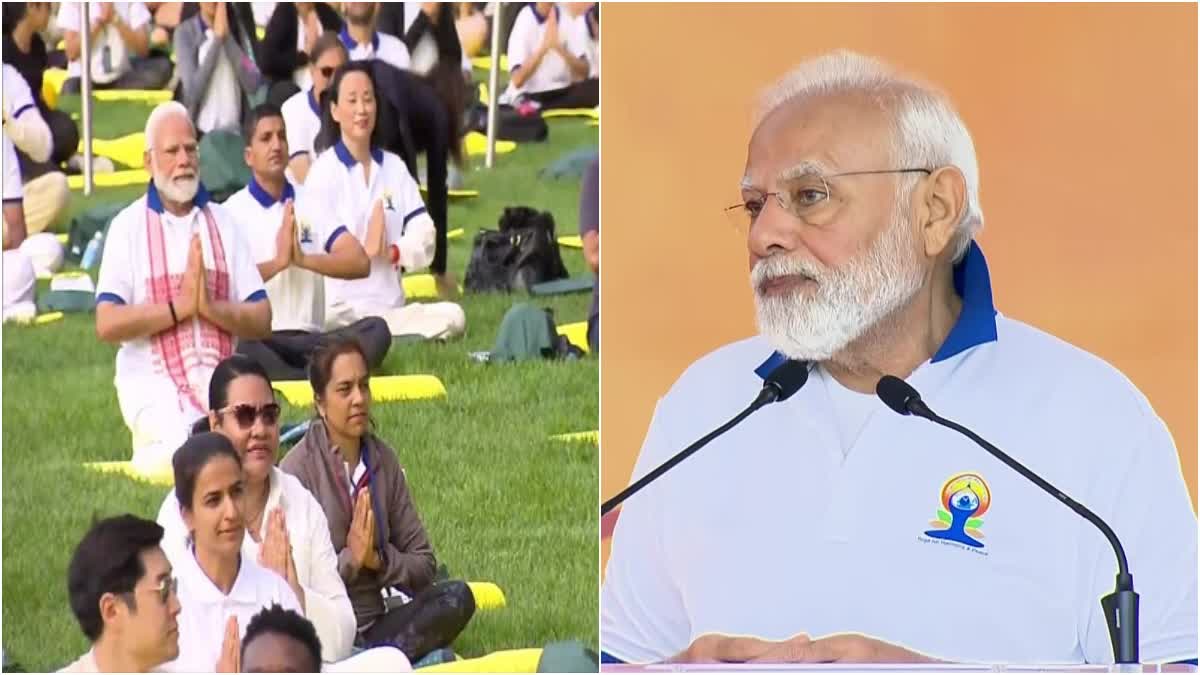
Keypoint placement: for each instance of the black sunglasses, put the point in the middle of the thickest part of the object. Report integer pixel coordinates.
(327, 71)
(245, 414)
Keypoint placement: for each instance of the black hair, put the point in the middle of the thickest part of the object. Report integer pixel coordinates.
(260, 112)
(108, 560)
(191, 458)
(320, 366)
(276, 619)
(331, 131)
(13, 13)
(446, 77)
(228, 370)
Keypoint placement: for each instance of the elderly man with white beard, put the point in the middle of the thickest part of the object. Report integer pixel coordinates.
(177, 288)
(826, 528)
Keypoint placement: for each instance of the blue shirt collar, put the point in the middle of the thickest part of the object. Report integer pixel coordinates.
(312, 103)
(542, 19)
(264, 198)
(155, 202)
(343, 154)
(976, 322)
(351, 45)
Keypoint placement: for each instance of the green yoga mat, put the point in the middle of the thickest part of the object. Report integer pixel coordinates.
(562, 286)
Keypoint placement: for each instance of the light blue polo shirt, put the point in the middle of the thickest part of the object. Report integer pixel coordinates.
(912, 534)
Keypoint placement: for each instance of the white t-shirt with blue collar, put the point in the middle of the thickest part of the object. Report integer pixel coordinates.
(387, 48)
(913, 534)
(297, 295)
(302, 120)
(337, 180)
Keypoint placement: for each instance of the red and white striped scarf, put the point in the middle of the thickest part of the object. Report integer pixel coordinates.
(175, 348)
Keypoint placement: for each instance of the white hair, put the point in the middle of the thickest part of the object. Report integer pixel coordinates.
(927, 132)
(161, 112)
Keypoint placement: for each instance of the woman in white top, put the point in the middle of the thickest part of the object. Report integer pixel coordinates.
(219, 588)
(277, 507)
(375, 197)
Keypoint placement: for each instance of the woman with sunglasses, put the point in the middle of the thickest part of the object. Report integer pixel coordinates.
(286, 530)
(220, 589)
(374, 524)
(302, 111)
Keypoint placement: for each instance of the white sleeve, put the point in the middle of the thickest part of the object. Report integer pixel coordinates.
(22, 120)
(520, 39)
(68, 17)
(299, 139)
(326, 227)
(137, 15)
(642, 616)
(13, 190)
(115, 281)
(327, 604)
(1151, 512)
(410, 228)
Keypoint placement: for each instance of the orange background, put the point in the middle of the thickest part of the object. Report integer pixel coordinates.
(1084, 122)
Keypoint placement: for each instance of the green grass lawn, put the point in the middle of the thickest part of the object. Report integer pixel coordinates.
(502, 502)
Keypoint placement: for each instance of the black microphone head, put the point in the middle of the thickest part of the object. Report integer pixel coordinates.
(897, 394)
(787, 378)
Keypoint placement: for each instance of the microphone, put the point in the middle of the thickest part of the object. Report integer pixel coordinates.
(1121, 606)
(785, 380)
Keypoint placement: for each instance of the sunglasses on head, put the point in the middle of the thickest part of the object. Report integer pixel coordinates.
(245, 414)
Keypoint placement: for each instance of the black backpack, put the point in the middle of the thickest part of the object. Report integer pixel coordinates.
(522, 253)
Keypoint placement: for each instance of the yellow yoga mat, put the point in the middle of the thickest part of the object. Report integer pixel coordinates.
(576, 333)
(483, 93)
(62, 238)
(593, 123)
(456, 233)
(571, 241)
(592, 437)
(456, 194)
(507, 661)
(383, 388)
(487, 595)
(114, 179)
(476, 144)
(141, 95)
(159, 477)
(485, 62)
(127, 150)
(422, 286)
(571, 112)
(54, 77)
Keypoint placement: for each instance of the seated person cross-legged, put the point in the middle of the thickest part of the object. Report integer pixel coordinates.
(372, 193)
(177, 288)
(547, 60)
(297, 244)
(120, 45)
(123, 595)
(373, 522)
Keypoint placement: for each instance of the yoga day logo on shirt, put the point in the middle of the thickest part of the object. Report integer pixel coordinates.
(965, 498)
(305, 233)
(387, 201)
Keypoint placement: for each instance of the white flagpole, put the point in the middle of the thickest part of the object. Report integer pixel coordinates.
(493, 94)
(85, 102)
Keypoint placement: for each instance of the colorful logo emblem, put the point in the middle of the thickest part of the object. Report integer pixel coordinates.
(965, 498)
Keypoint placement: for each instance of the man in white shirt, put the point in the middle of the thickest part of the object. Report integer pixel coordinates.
(296, 243)
(177, 288)
(123, 596)
(547, 60)
(826, 528)
(302, 112)
(364, 43)
(120, 41)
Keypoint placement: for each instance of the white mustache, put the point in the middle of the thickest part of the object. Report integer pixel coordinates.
(781, 266)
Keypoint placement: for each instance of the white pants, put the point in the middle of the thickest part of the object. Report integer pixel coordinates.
(45, 198)
(433, 321)
(19, 285)
(158, 429)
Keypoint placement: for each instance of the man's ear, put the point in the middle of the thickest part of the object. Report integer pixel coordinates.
(943, 197)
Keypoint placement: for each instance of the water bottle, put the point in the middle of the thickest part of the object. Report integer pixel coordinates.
(92, 252)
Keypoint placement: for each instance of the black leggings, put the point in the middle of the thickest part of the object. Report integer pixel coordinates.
(65, 136)
(286, 353)
(584, 94)
(429, 621)
(152, 72)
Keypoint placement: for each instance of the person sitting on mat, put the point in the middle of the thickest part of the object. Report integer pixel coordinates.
(42, 196)
(373, 521)
(373, 194)
(25, 50)
(547, 61)
(288, 41)
(286, 531)
(216, 68)
(220, 587)
(296, 243)
(120, 42)
(302, 112)
(364, 42)
(123, 596)
(177, 288)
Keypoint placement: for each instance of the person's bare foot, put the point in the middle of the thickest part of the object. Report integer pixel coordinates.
(447, 286)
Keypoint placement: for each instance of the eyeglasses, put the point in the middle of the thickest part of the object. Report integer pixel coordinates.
(167, 587)
(326, 71)
(245, 414)
(805, 197)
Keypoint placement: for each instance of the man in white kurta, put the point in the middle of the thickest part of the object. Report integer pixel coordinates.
(177, 288)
